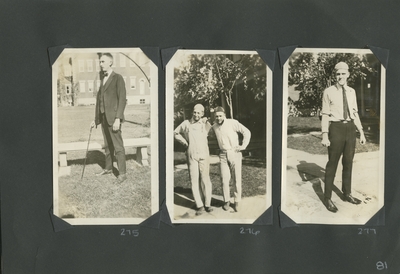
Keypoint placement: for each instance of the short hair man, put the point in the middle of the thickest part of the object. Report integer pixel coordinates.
(193, 135)
(109, 112)
(226, 131)
(339, 122)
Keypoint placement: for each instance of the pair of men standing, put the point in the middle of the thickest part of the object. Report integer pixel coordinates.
(193, 135)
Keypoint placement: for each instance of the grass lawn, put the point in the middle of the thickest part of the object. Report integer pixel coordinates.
(100, 197)
(74, 123)
(253, 176)
(298, 137)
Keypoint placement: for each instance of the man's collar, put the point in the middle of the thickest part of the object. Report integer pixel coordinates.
(192, 121)
(339, 87)
(109, 71)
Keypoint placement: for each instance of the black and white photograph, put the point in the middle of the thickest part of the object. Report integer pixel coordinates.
(333, 136)
(105, 136)
(218, 136)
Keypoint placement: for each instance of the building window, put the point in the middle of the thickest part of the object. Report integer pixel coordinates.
(142, 86)
(82, 86)
(142, 101)
(98, 83)
(68, 88)
(97, 65)
(81, 66)
(89, 65)
(122, 60)
(133, 82)
(90, 86)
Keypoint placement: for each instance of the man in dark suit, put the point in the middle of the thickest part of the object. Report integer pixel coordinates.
(110, 106)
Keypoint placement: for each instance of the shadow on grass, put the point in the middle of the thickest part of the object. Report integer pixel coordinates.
(137, 123)
(254, 162)
(247, 161)
(98, 157)
(301, 130)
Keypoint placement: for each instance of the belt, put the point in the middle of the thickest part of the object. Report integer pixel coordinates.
(343, 121)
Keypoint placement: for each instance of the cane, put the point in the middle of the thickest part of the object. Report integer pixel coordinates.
(87, 150)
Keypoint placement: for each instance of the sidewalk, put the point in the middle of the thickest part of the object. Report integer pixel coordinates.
(302, 193)
(250, 209)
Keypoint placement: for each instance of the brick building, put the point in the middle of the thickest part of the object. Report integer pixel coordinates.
(79, 79)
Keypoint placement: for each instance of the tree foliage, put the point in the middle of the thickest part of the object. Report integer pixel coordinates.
(312, 73)
(209, 77)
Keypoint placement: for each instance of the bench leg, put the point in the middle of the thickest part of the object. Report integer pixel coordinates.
(141, 156)
(63, 170)
(63, 159)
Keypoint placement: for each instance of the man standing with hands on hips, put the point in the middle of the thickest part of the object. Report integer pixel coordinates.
(339, 122)
(226, 131)
(192, 134)
(110, 106)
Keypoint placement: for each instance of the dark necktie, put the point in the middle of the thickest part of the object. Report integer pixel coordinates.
(345, 105)
(104, 73)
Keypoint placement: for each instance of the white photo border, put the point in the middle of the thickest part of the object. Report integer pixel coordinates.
(170, 140)
(154, 159)
(329, 219)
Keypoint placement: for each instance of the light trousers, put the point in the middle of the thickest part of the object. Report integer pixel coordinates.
(199, 172)
(231, 167)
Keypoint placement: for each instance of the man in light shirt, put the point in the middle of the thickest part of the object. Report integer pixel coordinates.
(339, 122)
(226, 131)
(192, 134)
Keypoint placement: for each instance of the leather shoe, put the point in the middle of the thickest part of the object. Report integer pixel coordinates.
(330, 206)
(121, 178)
(209, 208)
(104, 172)
(236, 206)
(200, 211)
(226, 206)
(352, 200)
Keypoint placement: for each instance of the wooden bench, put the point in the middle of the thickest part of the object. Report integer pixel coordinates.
(140, 143)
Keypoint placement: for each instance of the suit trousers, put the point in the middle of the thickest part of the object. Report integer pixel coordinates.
(342, 137)
(200, 169)
(231, 166)
(113, 145)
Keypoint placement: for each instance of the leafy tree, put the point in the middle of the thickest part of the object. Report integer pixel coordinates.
(312, 73)
(209, 77)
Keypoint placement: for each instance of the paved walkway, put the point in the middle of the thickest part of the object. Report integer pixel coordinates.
(250, 209)
(302, 194)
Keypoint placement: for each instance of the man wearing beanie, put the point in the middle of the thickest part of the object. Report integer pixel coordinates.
(226, 131)
(192, 134)
(339, 122)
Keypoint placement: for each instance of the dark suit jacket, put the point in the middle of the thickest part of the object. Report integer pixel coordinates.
(114, 99)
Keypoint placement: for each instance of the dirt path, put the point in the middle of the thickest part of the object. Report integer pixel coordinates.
(303, 192)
